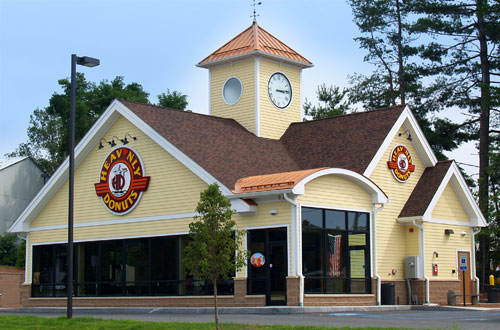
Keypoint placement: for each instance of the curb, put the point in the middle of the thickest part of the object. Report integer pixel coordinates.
(237, 310)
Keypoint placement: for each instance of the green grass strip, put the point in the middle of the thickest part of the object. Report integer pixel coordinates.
(89, 323)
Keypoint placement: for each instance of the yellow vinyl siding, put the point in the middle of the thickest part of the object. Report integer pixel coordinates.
(173, 188)
(412, 242)
(446, 246)
(391, 237)
(244, 110)
(449, 207)
(274, 121)
(337, 192)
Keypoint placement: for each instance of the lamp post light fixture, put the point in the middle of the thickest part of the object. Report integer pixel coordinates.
(90, 62)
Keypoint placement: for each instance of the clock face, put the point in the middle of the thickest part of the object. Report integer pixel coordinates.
(280, 90)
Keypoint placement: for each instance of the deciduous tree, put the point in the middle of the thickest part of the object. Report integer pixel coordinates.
(214, 251)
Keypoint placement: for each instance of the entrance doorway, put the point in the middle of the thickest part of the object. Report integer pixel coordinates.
(267, 267)
(464, 276)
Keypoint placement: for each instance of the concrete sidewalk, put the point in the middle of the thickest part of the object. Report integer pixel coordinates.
(243, 310)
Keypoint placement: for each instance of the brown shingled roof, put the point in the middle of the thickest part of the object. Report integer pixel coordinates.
(424, 191)
(255, 39)
(229, 152)
(223, 147)
(349, 141)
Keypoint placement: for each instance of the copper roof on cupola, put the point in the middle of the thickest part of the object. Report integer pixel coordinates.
(255, 40)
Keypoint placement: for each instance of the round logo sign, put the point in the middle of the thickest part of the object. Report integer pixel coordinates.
(257, 259)
(122, 180)
(401, 164)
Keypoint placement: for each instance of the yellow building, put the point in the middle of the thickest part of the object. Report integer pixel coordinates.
(333, 209)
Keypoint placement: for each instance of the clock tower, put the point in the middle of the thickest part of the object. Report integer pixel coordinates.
(255, 79)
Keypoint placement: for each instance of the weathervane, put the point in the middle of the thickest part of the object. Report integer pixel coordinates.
(254, 12)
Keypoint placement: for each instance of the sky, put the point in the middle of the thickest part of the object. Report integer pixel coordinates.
(157, 43)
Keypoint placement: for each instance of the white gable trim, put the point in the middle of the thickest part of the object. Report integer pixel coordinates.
(86, 145)
(378, 196)
(408, 121)
(455, 178)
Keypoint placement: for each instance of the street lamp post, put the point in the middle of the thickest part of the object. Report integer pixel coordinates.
(90, 62)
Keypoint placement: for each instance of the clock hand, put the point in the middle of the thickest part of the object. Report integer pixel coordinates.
(282, 91)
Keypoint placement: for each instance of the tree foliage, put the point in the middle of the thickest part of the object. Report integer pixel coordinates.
(214, 250)
(11, 252)
(333, 102)
(48, 131)
(465, 56)
(173, 100)
(394, 47)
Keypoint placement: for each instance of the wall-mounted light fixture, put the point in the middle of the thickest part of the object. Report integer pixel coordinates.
(113, 143)
(463, 233)
(436, 254)
(449, 232)
(125, 141)
(100, 143)
(409, 138)
(273, 212)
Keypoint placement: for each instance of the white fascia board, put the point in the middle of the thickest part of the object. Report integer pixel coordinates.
(259, 194)
(252, 53)
(408, 121)
(409, 220)
(378, 196)
(454, 177)
(89, 141)
(204, 175)
(61, 174)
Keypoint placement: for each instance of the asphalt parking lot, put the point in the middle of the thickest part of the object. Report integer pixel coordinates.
(417, 319)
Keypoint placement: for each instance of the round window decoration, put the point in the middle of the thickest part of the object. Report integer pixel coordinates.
(122, 180)
(257, 259)
(400, 163)
(232, 90)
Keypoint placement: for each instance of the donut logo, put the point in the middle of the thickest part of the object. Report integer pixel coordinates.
(122, 180)
(401, 164)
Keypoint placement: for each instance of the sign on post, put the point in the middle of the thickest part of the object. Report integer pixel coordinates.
(463, 262)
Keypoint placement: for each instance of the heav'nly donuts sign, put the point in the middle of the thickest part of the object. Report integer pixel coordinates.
(122, 180)
(400, 163)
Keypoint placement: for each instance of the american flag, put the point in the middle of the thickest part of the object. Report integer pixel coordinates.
(334, 247)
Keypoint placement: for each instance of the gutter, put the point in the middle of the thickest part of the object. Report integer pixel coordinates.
(474, 232)
(373, 238)
(297, 233)
(260, 194)
(422, 241)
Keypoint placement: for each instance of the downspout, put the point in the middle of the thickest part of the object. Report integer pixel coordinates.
(26, 257)
(373, 243)
(422, 239)
(297, 253)
(474, 232)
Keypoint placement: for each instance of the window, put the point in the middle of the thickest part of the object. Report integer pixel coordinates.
(132, 267)
(232, 90)
(335, 251)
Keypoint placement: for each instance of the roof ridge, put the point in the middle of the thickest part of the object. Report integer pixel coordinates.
(351, 114)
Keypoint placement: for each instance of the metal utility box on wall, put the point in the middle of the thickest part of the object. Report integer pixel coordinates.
(412, 267)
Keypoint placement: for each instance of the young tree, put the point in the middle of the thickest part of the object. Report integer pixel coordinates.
(214, 251)
(334, 100)
(174, 100)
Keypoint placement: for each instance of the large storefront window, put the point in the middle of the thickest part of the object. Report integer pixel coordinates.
(132, 267)
(335, 251)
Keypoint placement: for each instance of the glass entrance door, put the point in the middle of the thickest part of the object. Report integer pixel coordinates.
(267, 267)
